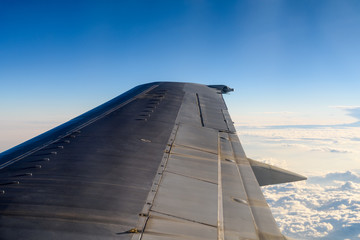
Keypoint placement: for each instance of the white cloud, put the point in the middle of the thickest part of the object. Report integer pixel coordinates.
(345, 107)
(274, 162)
(325, 207)
(322, 149)
(329, 149)
(281, 112)
(336, 176)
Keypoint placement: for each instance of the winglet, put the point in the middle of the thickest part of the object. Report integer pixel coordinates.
(267, 174)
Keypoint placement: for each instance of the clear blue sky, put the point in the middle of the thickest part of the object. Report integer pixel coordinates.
(61, 58)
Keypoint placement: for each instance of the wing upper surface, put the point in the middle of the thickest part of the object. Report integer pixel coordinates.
(206, 188)
(163, 163)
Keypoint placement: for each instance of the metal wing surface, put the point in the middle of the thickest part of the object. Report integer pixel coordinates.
(161, 161)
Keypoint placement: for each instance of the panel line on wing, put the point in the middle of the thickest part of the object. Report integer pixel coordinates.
(144, 215)
(186, 219)
(221, 233)
(194, 157)
(190, 177)
(193, 148)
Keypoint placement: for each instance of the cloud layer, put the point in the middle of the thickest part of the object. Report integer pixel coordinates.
(325, 207)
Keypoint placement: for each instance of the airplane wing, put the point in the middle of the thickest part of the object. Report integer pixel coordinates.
(161, 161)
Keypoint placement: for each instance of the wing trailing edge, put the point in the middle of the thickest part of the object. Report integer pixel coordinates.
(267, 174)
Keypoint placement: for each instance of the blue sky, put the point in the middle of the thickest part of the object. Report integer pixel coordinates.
(294, 66)
(276, 54)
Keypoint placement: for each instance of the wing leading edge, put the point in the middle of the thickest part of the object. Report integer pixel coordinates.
(162, 161)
